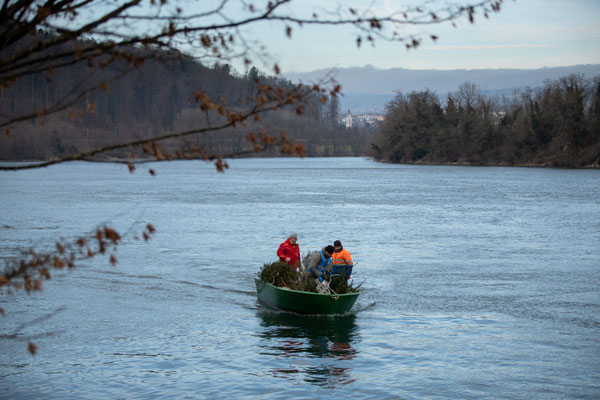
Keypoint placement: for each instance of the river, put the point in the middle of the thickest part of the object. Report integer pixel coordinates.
(479, 282)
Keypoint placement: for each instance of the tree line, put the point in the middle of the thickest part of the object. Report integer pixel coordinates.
(554, 125)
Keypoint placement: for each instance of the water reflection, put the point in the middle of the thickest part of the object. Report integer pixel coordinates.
(316, 349)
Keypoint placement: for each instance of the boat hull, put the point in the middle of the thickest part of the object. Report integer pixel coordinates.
(303, 302)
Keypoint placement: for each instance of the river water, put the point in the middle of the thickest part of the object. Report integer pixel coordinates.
(478, 282)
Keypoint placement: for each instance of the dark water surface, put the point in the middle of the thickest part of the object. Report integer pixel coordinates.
(479, 282)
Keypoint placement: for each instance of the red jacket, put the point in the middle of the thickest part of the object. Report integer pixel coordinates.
(287, 250)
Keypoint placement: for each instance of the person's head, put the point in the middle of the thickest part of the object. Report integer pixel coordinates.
(329, 250)
(337, 245)
(293, 238)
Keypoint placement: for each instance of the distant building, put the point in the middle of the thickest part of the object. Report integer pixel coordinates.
(498, 116)
(361, 120)
(347, 120)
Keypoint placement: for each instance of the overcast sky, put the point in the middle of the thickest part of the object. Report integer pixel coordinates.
(525, 34)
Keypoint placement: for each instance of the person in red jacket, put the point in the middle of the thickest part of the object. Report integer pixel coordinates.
(289, 251)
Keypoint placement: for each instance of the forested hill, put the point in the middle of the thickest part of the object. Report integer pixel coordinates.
(155, 98)
(555, 125)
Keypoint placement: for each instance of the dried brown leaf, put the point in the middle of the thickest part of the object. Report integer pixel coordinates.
(111, 235)
(32, 348)
(58, 263)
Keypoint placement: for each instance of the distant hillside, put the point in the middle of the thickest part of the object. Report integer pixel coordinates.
(160, 96)
(368, 88)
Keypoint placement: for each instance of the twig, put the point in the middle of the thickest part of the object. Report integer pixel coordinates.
(282, 281)
(360, 284)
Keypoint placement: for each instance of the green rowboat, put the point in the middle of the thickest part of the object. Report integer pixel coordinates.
(303, 302)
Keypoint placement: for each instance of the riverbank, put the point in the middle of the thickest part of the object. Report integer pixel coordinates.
(105, 159)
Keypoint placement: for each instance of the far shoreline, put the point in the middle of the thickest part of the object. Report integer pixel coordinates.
(117, 160)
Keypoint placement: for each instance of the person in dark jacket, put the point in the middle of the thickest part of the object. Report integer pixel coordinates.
(319, 261)
(289, 251)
